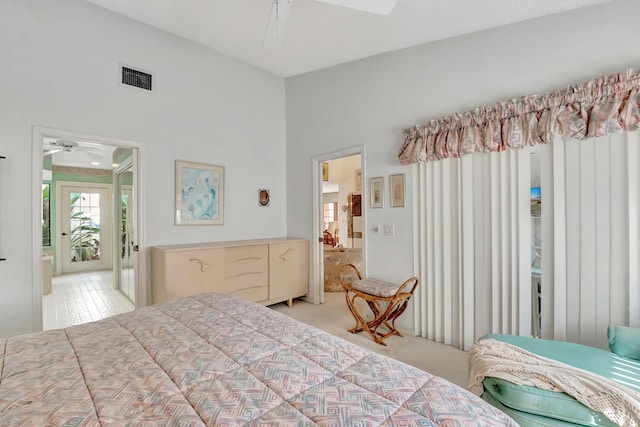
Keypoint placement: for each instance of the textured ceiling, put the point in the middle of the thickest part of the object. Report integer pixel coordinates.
(320, 35)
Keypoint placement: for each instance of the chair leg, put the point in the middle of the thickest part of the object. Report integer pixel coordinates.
(354, 312)
(371, 326)
(387, 319)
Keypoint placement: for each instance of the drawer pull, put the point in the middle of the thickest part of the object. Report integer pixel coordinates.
(246, 289)
(253, 258)
(203, 265)
(285, 255)
(253, 273)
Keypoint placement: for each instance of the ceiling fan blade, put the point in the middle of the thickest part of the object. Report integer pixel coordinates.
(50, 152)
(274, 36)
(84, 148)
(64, 143)
(379, 7)
(89, 154)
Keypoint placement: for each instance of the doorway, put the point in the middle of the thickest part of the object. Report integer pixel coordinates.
(340, 221)
(90, 244)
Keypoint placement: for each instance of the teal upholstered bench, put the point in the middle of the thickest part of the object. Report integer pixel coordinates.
(530, 406)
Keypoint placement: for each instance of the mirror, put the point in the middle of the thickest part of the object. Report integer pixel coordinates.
(125, 231)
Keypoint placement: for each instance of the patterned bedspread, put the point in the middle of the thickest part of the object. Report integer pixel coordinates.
(220, 361)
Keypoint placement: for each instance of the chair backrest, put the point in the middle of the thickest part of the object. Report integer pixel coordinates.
(328, 238)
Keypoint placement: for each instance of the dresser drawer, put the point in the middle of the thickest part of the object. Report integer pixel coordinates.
(246, 260)
(243, 253)
(253, 294)
(246, 280)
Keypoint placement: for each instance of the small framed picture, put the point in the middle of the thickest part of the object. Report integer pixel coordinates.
(325, 171)
(376, 191)
(263, 197)
(358, 179)
(396, 183)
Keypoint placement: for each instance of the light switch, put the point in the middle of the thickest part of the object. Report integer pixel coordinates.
(389, 229)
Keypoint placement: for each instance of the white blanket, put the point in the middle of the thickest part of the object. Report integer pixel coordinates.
(493, 358)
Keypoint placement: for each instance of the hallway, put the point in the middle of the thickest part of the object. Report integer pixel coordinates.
(80, 298)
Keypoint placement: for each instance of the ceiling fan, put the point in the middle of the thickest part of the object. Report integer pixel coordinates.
(281, 12)
(66, 146)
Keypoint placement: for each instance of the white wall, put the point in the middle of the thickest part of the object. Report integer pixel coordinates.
(368, 102)
(60, 69)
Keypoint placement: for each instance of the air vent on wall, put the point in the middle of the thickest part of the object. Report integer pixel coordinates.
(136, 78)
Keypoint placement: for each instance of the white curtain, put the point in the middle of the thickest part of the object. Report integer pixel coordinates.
(473, 249)
(590, 237)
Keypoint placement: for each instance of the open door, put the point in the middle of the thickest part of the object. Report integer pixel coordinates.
(341, 218)
(126, 253)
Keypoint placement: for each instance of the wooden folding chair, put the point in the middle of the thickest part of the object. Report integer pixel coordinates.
(387, 302)
(328, 238)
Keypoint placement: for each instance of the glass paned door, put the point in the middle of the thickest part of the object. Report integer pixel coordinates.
(85, 241)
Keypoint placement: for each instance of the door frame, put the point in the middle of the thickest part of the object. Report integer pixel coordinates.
(37, 136)
(105, 231)
(316, 294)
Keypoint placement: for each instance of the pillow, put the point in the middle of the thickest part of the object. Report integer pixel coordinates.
(624, 341)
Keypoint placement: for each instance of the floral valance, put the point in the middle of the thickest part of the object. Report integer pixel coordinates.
(609, 104)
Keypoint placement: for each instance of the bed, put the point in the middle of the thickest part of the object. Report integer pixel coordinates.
(217, 360)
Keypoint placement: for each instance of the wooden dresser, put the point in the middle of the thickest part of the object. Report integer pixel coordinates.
(267, 271)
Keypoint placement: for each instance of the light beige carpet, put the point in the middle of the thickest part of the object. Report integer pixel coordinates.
(334, 317)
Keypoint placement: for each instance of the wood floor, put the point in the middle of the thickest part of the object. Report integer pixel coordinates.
(80, 298)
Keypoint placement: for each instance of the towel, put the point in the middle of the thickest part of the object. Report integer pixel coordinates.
(493, 358)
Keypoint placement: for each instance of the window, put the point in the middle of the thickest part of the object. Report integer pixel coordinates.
(85, 226)
(330, 212)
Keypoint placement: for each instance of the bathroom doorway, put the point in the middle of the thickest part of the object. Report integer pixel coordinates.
(88, 263)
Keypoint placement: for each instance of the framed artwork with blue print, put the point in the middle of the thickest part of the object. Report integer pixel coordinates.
(199, 194)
